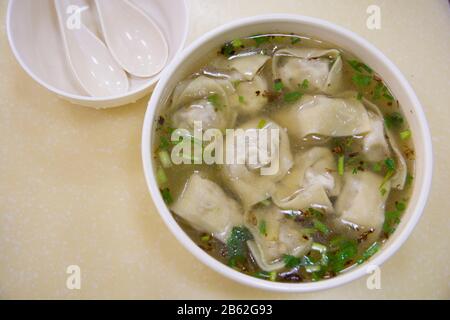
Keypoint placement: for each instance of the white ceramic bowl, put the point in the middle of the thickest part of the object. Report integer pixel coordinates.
(35, 40)
(345, 39)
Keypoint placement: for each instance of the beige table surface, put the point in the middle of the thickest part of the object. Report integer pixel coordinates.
(72, 190)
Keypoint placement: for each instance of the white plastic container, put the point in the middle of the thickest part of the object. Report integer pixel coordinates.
(35, 40)
(345, 39)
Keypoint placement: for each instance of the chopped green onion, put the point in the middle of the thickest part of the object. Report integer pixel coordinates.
(321, 226)
(316, 213)
(409, 180)
(405, 134)
(389, 163)
(163, 143)
(241, 99)
(294, 40)
(260, 39)
(386, 178)
(369, 252)
(237, 244)
(305, 84)
(273, 276)
(376, 167)
(164, 158)
(361, 80)
(392, 218)
(341, 165)
(214, 99)
(262, 227)
(262, 123)
(346, 250)
(237, 43)
(377, 91)
(161, 176)
(227, 49)
(313, 268)
(400, 205)
(167, 196)
(291, 261)
(388, 96)
(393, 120)
(205, 238)
(292, 96)
(278, 85)
(359, 66)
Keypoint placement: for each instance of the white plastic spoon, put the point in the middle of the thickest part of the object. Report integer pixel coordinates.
(134, 40)
(89, 59)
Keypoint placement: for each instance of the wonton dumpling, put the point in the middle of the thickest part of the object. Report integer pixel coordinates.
(200, 110)
(311, 181)
(375, 146)
(205, 206)
(250, 87)
(398, 180)
(282, 237)
(190, 99)
(324, 116)
(252, 93)
(361, 203)
(247, 179)
(246, 66)
(322, 69)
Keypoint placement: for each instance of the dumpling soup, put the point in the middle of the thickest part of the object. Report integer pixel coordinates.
(284, 157)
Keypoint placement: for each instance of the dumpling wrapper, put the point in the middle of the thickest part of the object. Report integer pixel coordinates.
(252, 95)
(206, 207)
(321, 68)
(324, 116)
(250, 87)
(374, 144)
(283, 237)
(190, 103)
(246, 180)
(361, 202)
(398, 180)
(246, 66)
(310, 183)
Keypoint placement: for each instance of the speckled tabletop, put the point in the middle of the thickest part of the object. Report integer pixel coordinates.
(72, 190)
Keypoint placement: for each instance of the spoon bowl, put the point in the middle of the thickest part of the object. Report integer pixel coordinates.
(133, 38)
(92, 64)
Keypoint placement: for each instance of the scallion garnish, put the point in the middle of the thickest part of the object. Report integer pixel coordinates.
(369, 252)
(278, 85)
(166, 195)
(321, 226)
(161, 176)
(262, 123)
(292, 96)
(393, 120)
(164, 158)
(262, 227)
(362, 80)
(404, 135)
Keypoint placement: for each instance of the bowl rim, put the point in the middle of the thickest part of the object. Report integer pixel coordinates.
(183, 238)
(84, 98)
